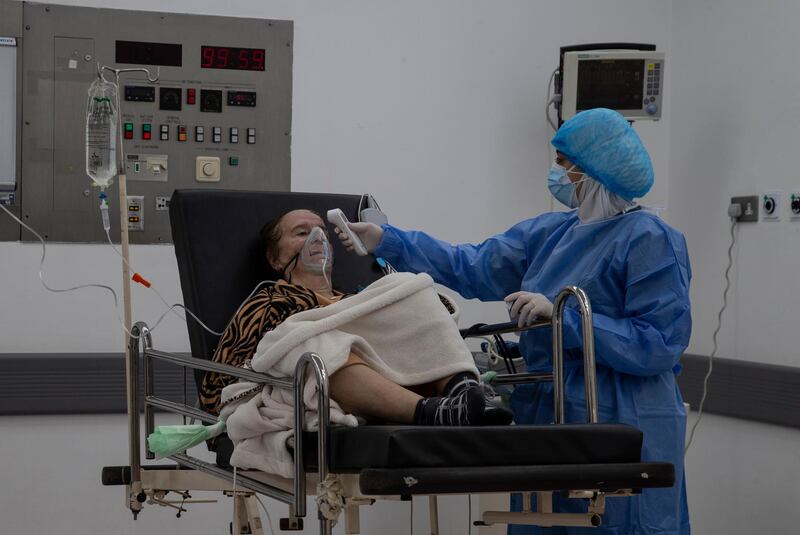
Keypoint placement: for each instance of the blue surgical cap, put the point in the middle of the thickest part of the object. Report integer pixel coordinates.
(602, 143)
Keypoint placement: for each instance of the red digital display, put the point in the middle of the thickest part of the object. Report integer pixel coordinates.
(228, 57)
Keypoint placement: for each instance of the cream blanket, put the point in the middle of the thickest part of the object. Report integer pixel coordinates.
(397, 325)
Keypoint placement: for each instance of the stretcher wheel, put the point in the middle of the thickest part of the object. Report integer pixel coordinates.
(116, 475)
(291, 524)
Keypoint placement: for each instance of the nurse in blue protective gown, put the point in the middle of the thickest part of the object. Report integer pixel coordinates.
(635, 270)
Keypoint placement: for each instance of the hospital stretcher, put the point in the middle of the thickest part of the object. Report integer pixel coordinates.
(217, 245)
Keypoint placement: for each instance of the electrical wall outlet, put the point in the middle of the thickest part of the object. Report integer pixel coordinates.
(136, 212)
(162, 203)
(749, 206)
(794, 206)
(771, 206)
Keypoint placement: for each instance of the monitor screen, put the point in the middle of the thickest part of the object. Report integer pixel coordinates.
(141, 53)
(228, 57)
(617, 84)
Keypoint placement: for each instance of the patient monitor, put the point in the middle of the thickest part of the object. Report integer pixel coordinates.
(628, 78)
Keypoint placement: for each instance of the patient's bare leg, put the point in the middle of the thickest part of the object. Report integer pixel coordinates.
(362, 391)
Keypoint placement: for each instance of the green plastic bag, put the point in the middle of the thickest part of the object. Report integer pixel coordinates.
(169, 439)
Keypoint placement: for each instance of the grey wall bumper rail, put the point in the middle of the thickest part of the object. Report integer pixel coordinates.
(743, 389)
(69, 383)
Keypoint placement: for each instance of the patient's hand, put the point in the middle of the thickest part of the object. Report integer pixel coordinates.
(370, 235)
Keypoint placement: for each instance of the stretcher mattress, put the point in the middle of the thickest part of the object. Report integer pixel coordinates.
(387, 446)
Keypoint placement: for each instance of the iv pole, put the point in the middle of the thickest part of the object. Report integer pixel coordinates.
(133, 416)
(123, 195)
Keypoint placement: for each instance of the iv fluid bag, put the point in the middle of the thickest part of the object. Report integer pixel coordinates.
(101, 132)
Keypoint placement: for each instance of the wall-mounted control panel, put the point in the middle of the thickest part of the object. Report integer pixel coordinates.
(219, 115)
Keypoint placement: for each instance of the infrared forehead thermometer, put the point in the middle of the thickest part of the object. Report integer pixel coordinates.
(337, 217)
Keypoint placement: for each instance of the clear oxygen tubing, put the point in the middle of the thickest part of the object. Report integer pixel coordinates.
(62, 290)
(556, 98)
(171, 308)
(714, 336)
(235, 527)
(113, 292)
(266, 512)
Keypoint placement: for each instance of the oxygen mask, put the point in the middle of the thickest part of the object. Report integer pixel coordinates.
(317, 253)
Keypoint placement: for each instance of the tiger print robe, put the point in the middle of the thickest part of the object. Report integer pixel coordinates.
(267, 309)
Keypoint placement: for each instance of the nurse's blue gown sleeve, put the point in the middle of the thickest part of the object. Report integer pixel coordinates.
(488, 271)
(653, 322)
(651, 332)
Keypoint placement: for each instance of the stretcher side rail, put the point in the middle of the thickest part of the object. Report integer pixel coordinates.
(557, 377)
(296, 499)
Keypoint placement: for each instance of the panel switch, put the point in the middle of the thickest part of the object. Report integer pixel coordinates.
(207, 169)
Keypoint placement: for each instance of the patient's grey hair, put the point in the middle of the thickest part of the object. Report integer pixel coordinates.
(270, 236)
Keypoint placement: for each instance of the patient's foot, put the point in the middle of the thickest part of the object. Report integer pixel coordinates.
(496, 416)
(491, 415)
(465, 408)
(459, 382)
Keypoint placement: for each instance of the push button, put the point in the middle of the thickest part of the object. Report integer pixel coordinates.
(199, 134)
(182, 133)
(146, 133)
(128, 129)
(164, 133)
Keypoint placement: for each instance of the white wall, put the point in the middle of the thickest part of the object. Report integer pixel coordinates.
(734, 131)
(436, 105)
(437, 108)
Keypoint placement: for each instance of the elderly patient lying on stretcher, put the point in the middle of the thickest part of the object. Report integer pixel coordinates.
(392, 351)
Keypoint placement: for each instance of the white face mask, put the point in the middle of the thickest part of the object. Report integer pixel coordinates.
(317, 253)
(560, 185)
